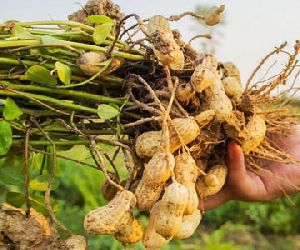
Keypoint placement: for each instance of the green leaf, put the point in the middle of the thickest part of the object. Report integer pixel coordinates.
(105, 148)
(11, 176)
(40, 183)
(41, 75)
(98, 19)
(107, 112)
(11, 110)
(102, 32)
(5, 137)
(15, 199)
(63, 72)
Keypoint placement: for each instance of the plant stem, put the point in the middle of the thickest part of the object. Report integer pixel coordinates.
(34, 112)
(101, 130)
(17, 142)
(47, 99)
(64, 92)
(10, 61)
(104, 50)
(56, 22)
(66, 23)
(27, 171)
(19, 43)
(76, 35)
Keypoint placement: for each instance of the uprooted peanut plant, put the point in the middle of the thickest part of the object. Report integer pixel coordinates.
(169, 109)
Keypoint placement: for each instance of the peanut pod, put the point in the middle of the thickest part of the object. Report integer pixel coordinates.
(184, 93)
(76, 242)
(172, 206)
(233, 88)
(107, 219)
(213, 182)
(253, 134)
(189, 225)
(230, 69)
(152, 240)
(157, 172)
(130, 233)
(182, 131)
(205, 117)
(186, 173)
(165, 48)
(217, 100)
(203, 78)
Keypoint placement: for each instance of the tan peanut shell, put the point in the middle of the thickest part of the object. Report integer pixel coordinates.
(186, 173)
(193, 201)
(76, 242)
(205, 117)
(106, 219)
(185, 169)
(217, 100)
(232, 87)
(19, 232)
(232, 70)
(147, 144)
(130, 233)
(172, 206)
(165, 48)
(157, 22)
(203, 78)
(213, 182)
(184, 93)
(158, 169)
(208, 61)
(212, 133)
(152, 240)
(234, 124)
(213, 15)
(189, 225)
(182, 131)
(147, 195)
(165, 55)
(179, 60)
(157, 172)
(88, 62)
(254, 133)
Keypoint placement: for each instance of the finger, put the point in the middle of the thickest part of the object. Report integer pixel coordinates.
(216, 200)
(236, 164)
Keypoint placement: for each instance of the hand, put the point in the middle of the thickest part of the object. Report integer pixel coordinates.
(244, 184)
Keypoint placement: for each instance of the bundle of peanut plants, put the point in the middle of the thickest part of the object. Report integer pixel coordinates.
(168, 109)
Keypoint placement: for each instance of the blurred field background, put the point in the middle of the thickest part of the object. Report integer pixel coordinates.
(233, 226)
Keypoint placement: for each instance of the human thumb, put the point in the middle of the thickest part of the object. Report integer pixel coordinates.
(236, 164)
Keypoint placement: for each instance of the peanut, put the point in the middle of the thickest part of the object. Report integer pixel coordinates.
(253, 134)
(189, 225)
(213, 182)
(172, 206)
